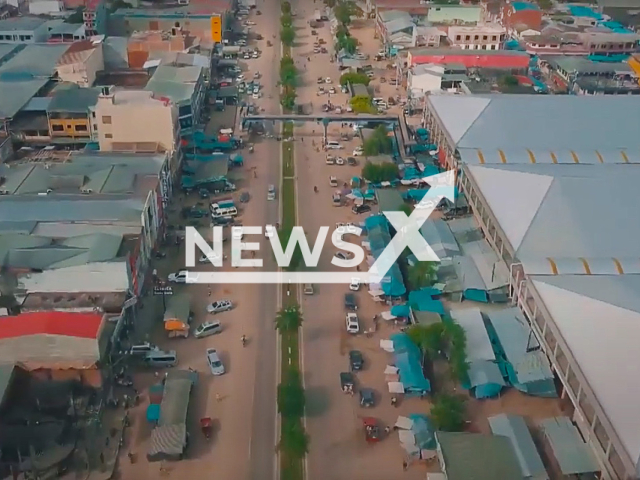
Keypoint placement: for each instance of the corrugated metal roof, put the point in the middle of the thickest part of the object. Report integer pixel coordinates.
(604, 341)
(483, 372)
(52, 209)
(440, 238)
(389, 200)
(37, 104)
(478, 342)
(74, 100)
(573, 455)
(81, 325)
(515, 429)
(531, 202)
(105, 277)
(398, 24)
(559, 122)
(479, 457)
(473, 156)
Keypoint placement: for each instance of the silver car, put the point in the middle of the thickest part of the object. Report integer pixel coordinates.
(215, 364)
(219, 306)
(208, 328)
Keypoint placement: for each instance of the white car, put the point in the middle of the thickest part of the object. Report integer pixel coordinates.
(236, 233)
(212, 257)
(358, 152)
(269, 231)
(219, 306)
(250, 23)
(208, 328)
(355, 284)
(332, 90)
(352, 228)
(215, 364)
(344, 255)
(333, 181)
(179, 277)
(256, 96)
(353, 323)
(327, 80)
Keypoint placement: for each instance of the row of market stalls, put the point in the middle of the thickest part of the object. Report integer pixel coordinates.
(168, 409)
(378, 237)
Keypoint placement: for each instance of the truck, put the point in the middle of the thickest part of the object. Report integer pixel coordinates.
(224, 208)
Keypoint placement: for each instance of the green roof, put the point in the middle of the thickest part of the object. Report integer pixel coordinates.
(74, 100)
(474, 456)
(389, 200)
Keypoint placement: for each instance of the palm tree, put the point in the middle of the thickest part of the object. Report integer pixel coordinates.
(422, 274)
(294, 440)
(289, 319)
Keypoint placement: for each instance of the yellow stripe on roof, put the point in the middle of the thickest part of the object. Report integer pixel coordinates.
(503, 157)
(554, 267)
(575, 157)
(532, 157)
(599, 156)
(624, 156)
(480, 156)
(618, 266)
(587, 269)
(554, 159)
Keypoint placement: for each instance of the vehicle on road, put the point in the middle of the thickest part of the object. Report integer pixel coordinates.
(206, 426)
(350, 302)
(271, 192)
(208, 328)
(308, 289)
(352, 323)
(354, 286)
(245, 197)
(219, 306)
(336, 200)
(143, 348)
(358, 152)
(347, 382)
(237, 233)
(194, 212)
(367, 398)
(215, 364)
(333, 181)
(269, 230)
(356, 360)
(178, 277)
(358, 209)
(351, 161)
(328, 80)
(210, 258)
(371, 430)
(320, 80)
(332, 90)
(344, 255)
(160, 359)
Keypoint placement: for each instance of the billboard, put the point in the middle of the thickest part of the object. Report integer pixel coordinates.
(216, 29)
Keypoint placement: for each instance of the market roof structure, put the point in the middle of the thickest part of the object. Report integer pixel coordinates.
(588, 204)
(571, 452)
(478, 342)
(559, 123)
(515, 429)
(474, 456)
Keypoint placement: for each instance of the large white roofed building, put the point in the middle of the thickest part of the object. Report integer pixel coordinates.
(552, 182)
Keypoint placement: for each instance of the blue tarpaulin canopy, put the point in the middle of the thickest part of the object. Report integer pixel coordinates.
(401, 311)
(408, 361)
(415, 194)
(423, 431)
(153, 413)
(379, 237)
(422, 300)
(410, 173)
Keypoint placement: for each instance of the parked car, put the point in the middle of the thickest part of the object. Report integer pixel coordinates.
(333, 181)
(143, 348)
(178, 277)
(271, 192)
(244, 197)
(208, 328)
(344, 255)
(358, 209)
(353, 323)
(358, 152)
(210, 258)
(320, 80)
(356, 360)
(352, 161)
(367, 398)
(350, 302)
(215, 364)
(269, 230)
(308, 289)
(328, 80)
(219, 306)
(237, 233)
(354, 285)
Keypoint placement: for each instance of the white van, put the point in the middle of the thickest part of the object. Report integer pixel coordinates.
(336, 200)
(217, 211)
(161, 359)
(271, 192)
(332, 145)
(227, 131)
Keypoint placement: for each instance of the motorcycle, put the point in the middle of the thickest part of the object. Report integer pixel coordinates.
(315, 189)
(244, 341)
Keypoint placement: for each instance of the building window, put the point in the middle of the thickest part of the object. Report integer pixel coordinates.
(476, 37)
(57, 128)
(106, 120)
(177, 24)
(485, 37)
(493, 47)
(93, 114)
(467, 37)
(81, 128)
(95, 127)
(108, 135)
(458, 37)
(494, 38)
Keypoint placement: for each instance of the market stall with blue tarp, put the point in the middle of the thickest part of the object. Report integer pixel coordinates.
(424, 431)
(408, 361)
(153, 413)
(422, 300)
(401, 311)
(378, 237)
(485, 379)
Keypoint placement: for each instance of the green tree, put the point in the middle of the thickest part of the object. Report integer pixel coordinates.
(430, 338)
(406, 209)
(285, 8)
(289, 319)
(286, 20)
(291, 399)
(354, 78)
(294, 440)
(382, 172)
(457, 347)
(342, 13)
(347, 43)
(379, 142)
(330, 3)
(287, 35)
(545, 4)
(422, 274)
(448, 412)
(362, 104)
(508, 81)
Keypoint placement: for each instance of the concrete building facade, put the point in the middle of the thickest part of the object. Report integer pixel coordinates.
(480, 37)
(81, 63)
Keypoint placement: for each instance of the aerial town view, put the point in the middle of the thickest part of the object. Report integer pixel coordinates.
(319, 239)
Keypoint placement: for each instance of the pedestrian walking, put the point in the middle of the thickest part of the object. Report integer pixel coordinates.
(405, 465)
(102, 458)
(218, 397)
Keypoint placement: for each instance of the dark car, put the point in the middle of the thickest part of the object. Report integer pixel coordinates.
(352, 161)
(204, 193)
(367, 398)
(194, 212)
(358, 209)
(244, 197)
(350, 302)
(356, 360)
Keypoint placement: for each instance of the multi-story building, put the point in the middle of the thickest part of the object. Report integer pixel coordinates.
(24, 30)
(135, 120)
(490, 59)
(479, 37)
(141, 44)
(81, 63)
(67, 33)
(185, 87)
(95, 17)
(46, 7)
(455, 14)
(69, 114)
(517, 16)
(200, 21)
